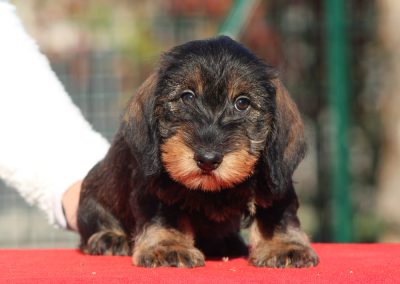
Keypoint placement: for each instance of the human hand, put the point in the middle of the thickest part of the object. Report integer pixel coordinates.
(70, 202)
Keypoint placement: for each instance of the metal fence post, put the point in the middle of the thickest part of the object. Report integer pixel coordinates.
(337, 69)
(237, 17)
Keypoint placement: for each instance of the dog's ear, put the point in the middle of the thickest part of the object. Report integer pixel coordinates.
(139, 127)
(285, 146)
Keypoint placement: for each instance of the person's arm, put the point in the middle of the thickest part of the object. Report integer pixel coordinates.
(46, 145)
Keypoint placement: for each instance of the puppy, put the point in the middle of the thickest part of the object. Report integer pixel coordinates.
(209, 142)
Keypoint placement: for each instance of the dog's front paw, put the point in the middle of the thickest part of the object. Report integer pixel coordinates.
(284, 255)
(168, 255)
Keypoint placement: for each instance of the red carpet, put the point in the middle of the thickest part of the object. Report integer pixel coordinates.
(353, 263)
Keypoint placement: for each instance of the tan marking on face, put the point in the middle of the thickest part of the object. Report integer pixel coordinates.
(237, 85)
(236, 167)
(178, 158)
(196, 81)
(179, 162)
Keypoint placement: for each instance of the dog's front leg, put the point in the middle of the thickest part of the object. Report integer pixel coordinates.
(158, 245)
(276, 238)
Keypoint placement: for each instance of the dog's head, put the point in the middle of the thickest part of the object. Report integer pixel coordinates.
(213, 115)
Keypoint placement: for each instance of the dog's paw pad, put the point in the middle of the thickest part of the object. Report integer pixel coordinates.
(173, 256)
(107, 243)
(299, 257)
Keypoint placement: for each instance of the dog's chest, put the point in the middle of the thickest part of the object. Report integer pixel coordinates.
(216, 206)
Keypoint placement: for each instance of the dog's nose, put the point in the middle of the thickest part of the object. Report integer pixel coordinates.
(208, 161)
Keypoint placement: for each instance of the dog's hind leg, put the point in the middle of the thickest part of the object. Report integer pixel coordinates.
(101, 233)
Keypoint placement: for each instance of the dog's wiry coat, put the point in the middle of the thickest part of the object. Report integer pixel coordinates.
(211, 137)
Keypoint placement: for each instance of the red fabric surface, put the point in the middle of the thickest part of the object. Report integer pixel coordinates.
(340, 263)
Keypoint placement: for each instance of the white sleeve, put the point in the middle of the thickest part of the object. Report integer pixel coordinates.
(46, 145)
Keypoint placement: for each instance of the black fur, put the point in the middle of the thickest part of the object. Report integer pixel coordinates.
(131, 190)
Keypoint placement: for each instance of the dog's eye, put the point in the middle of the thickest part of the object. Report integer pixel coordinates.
(188, 96)
(242, 103)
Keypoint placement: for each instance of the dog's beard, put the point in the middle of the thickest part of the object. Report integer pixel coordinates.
(178, 160)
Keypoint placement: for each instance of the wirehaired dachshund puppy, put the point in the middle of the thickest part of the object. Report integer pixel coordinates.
(208, 143)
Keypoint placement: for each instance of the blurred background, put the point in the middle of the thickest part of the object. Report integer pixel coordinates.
(339, 59)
